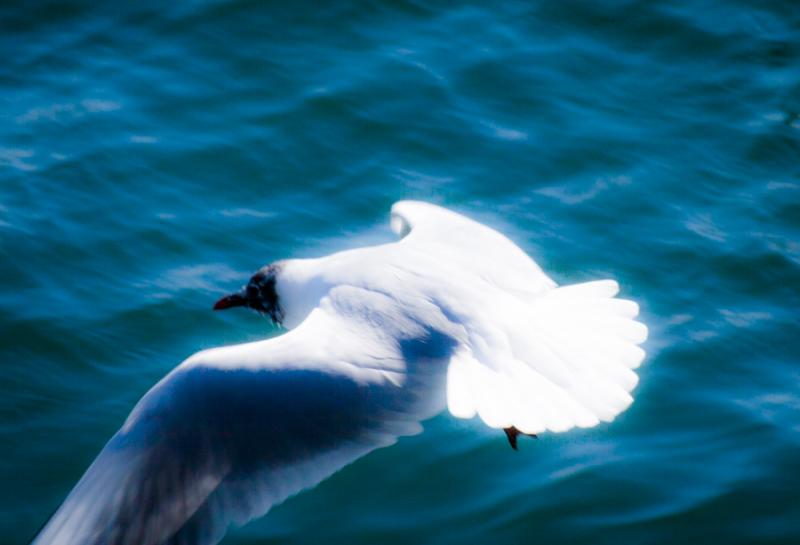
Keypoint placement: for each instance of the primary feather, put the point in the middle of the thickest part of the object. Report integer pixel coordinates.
(453, 315)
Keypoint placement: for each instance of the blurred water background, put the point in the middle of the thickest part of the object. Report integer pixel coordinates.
(153, 155)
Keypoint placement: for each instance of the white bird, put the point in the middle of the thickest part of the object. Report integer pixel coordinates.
(380, 338)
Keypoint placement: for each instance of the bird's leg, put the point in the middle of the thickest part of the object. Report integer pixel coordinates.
(512, 433)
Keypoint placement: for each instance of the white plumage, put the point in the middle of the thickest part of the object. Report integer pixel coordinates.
(535, 356)
(453, 315)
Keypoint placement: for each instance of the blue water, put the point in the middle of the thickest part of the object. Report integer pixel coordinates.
(152, 157)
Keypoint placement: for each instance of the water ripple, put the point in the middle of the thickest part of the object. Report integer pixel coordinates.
(152, 157)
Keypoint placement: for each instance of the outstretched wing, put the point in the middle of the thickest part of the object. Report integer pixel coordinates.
(535, 357)
(233, 431)
(472, 246)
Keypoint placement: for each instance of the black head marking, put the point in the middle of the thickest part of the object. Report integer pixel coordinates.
(262, 295)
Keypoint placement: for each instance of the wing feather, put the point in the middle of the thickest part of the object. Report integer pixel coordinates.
(233, 431)
(536, 356)
(461, 241)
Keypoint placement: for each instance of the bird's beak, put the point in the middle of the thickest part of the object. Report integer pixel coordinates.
(230, 301)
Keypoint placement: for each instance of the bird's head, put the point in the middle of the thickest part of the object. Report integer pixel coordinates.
(260, 294)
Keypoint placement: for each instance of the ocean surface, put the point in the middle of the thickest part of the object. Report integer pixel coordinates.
(154, 155)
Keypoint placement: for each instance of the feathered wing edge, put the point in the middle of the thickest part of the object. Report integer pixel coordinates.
(235, 430)
(538, 357)
(561, 361)
(470, 245)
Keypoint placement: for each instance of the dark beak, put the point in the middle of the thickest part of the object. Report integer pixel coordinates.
(230, 301)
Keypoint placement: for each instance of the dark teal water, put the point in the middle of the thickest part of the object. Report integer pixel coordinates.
(152, 157)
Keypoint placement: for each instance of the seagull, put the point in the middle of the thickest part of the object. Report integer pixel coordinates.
(451, 316)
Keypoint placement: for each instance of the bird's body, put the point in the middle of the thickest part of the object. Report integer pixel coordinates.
(452, 315)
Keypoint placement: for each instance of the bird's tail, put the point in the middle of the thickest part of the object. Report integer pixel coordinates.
(560, 360)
